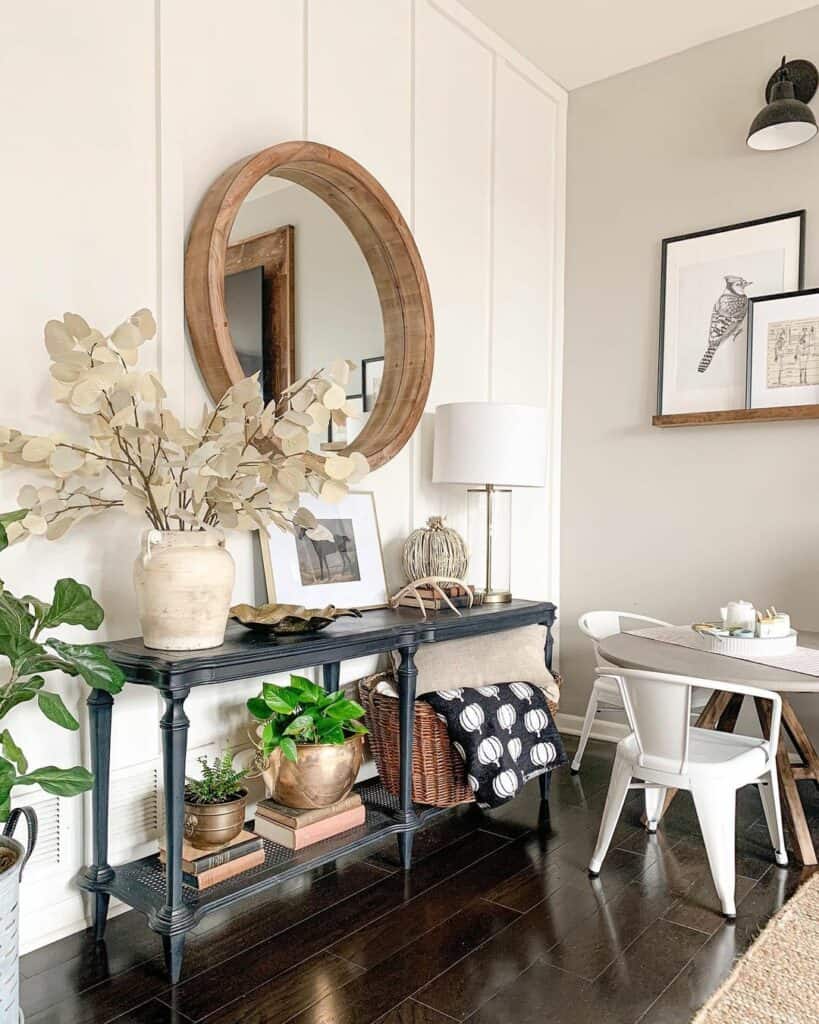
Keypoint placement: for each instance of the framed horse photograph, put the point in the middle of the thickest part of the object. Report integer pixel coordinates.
(346, 570)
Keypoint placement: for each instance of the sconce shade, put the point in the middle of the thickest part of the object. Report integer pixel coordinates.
(786, 120)
(490, 443)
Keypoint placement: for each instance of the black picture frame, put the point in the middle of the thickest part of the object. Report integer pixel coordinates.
(758, 300)
(667, 242)
(364, 364)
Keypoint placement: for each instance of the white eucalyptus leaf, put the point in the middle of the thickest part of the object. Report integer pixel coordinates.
(127, 336)
(76, 325)
(57, 528)
(321, 417)
(286, 428)
(304, 517)
(333, 491)
(296, 445)
(34, 523)
(319, 533)
(144, 321)
(58, 340)
(37, 449)
(302, 400)
(64, 373)
(361, 468)
(65, 461)
(334, 397)
(27, 496)
(338, 467)
(340, 372)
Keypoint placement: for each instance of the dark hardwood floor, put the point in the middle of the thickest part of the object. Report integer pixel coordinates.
(497, 922)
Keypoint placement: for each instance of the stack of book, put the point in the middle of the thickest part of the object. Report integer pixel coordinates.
(432, 600)
(204, 868)
(296, 829)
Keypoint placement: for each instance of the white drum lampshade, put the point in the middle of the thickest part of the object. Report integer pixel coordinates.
(490, 444)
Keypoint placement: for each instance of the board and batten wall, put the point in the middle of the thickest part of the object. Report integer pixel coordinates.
(124, 111)
(674, 522)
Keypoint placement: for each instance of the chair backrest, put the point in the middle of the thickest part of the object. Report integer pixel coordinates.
(599, 625)
(658, 708)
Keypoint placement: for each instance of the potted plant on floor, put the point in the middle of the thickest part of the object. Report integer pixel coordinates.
(215, 804)
(23, 621)
(311, 742)
(242, 466)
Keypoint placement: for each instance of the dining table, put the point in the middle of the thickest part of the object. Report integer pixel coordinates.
(631, 650)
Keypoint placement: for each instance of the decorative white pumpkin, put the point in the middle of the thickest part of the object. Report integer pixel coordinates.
(489, 691)
(542, 754)
(451, 694)
(490, 750)
(507, 716)
(536, 720)
(473, 783)
(505, 784)
(459, 750)
(472, 718)
(514, 746)
(522, 691)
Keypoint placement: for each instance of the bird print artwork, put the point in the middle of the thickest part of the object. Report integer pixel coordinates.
(727, 317)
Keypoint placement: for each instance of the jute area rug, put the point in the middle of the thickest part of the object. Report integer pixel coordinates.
(777, 981)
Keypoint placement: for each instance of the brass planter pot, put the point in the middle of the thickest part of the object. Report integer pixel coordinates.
(323, 774)
(211, 826)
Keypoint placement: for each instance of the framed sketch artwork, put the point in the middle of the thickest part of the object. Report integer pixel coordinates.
(707, 280)
(347, 571)
(783, 350)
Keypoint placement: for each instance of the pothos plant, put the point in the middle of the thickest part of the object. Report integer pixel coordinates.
(242, 465)
(23, 621)
(303, 713)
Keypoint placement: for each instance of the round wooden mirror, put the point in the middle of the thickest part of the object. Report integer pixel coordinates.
(388, 247)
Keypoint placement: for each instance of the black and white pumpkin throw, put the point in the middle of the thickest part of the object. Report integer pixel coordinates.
(504, 733)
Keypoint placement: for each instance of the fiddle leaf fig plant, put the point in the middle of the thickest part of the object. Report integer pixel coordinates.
(303, 713)
(30, 658)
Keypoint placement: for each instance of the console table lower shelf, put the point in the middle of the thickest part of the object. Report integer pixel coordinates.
(141, 883)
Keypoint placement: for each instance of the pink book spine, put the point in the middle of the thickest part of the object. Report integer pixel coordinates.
(329, 827)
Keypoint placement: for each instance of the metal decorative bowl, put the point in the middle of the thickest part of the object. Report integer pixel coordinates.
(289, 619)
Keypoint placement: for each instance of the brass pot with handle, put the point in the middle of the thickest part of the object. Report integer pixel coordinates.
(211, 826)
(323, 774)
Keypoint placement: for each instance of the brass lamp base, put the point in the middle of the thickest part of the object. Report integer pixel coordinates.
(496, 597)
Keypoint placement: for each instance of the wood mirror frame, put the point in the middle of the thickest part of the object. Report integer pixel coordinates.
(393, 258)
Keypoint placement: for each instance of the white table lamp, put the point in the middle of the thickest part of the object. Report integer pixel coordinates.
(496, 446)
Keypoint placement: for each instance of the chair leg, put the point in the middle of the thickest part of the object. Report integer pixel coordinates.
(768, 787)
(615, 798)
(716, 810)
(588, 722)
(655, 799)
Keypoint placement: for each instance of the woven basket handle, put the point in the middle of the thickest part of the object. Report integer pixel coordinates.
(31, 821)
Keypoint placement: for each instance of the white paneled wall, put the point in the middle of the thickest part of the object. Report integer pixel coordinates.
(466, 136)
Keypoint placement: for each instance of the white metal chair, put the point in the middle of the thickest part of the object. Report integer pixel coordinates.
(665, 751)
(605, 695)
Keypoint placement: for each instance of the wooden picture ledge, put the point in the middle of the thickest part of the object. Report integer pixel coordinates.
(774, 415)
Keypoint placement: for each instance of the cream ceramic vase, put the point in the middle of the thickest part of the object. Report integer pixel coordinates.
(184, 583)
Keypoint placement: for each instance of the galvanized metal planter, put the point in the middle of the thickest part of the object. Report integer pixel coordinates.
(9, 913)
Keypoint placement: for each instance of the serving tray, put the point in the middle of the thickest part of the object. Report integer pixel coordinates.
(748, 646)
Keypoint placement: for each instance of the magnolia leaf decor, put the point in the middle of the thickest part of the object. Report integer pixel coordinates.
(242, 465)
(284, 619)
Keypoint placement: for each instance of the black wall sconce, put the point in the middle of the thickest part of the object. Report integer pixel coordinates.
(786, 120)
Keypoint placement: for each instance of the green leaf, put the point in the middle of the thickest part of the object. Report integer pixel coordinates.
(331, 698)
(343, 710)
(51, 705)
(16, 622)
(5, 519)
(18, 693)
(5, 805)
(59, 781)
(281, 699)
(257, 707)
(13, 752)
(334, 735)
(73, 605)
(288, 747)
(300, 725)
(357, 728)
(308, 691)
(92, 663)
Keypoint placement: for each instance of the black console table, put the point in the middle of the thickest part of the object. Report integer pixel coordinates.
(173, 908)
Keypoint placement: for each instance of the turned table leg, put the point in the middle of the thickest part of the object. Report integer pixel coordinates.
(100, 705)
(174, 918)
(791, 803)
(407, 675)
(331, 674)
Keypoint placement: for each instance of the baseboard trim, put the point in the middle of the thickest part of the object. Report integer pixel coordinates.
(611, 732)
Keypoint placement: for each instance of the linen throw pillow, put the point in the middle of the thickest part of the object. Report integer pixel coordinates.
(514, 655)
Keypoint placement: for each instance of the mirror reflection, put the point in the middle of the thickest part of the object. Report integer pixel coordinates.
(299, 296)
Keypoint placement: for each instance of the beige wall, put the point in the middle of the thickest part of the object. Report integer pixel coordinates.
(674, 522)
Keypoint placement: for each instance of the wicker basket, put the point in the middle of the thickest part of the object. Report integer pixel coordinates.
(438, 773)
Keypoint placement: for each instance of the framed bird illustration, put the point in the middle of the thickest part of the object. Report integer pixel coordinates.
(707, 281)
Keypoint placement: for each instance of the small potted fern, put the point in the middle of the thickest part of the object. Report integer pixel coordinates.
(215, 804)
